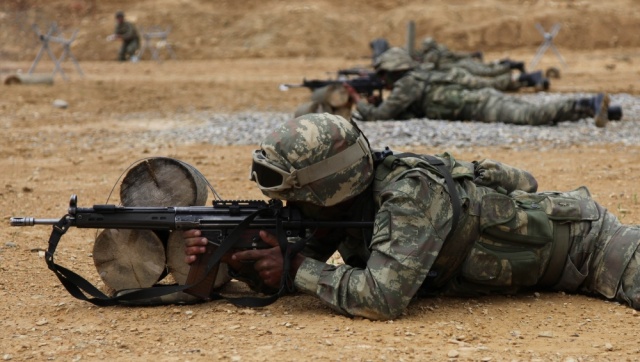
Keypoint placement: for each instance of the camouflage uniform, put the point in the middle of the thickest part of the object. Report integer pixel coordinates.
(443, 58)
(510, 242)
(455, 75)
(476, 67)
(422, 94)
(507, 237)
(130, 39)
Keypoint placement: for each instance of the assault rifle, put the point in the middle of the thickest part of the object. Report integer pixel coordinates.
(227, 225)
(366, 84)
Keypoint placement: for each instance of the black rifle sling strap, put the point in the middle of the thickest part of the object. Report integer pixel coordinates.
(70, 280)
(75, 284)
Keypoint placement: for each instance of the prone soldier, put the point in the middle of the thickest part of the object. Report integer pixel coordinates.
(441, 226)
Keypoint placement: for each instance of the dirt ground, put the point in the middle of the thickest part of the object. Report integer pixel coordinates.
(47, 154)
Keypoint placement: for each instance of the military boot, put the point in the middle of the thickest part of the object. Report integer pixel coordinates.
(596, 107)
(478, 55)
(535, 80)
(514, 65)
(614, 113)
(518, 66)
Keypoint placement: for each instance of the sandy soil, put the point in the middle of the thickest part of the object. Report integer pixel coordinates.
(47, 154)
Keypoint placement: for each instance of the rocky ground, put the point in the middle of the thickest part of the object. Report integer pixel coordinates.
(197, 110)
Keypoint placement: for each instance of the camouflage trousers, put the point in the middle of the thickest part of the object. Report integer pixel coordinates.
(614, 271)
(128, 49)
(464, 78)
(456, 103)
(478, 68)
(595, 255)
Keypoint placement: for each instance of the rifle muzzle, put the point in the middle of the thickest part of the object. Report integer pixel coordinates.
(31, 221)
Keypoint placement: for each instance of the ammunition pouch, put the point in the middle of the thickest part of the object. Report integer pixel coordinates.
(524, 240)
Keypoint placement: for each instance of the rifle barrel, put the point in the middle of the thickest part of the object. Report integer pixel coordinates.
(31, 221)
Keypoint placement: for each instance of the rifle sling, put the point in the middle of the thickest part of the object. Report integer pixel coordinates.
(75, 284)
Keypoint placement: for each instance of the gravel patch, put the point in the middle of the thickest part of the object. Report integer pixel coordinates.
(249, 128)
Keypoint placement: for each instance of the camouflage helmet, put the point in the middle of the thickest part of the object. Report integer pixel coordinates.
(119, 14)
(393, 60)
(318, 158)
(429, 43)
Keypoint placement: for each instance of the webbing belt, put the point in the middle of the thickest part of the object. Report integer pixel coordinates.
(559, 253)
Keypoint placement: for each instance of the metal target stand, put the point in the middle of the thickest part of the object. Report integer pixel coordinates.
(53, 36)
(160, 36)
(548, 43)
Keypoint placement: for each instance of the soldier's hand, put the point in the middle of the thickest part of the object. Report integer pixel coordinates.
(353, 94)
(111, 37)
(374, 99)
(268, 262)
(194, 244)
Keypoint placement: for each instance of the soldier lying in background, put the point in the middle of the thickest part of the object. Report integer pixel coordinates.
(419, 94)
(331, 96)
(443, 58)
(438, 56)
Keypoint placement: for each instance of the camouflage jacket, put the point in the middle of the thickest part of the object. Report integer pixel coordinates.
(407, 100)
(383, 271)
(440, 54)
(127, 31)
(414, 96)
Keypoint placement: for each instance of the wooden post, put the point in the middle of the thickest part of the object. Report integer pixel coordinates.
(411, 37)
(163, 181)
(128, 258)
(20, 78)
(139, 258)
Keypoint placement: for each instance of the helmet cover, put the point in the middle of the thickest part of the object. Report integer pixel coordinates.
(310, 139)
(393, 60)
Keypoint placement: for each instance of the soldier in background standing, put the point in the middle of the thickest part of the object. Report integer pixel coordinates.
(126, 31)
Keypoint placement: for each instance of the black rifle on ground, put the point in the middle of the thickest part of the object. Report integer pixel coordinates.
(365, 84)
(228, 224)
